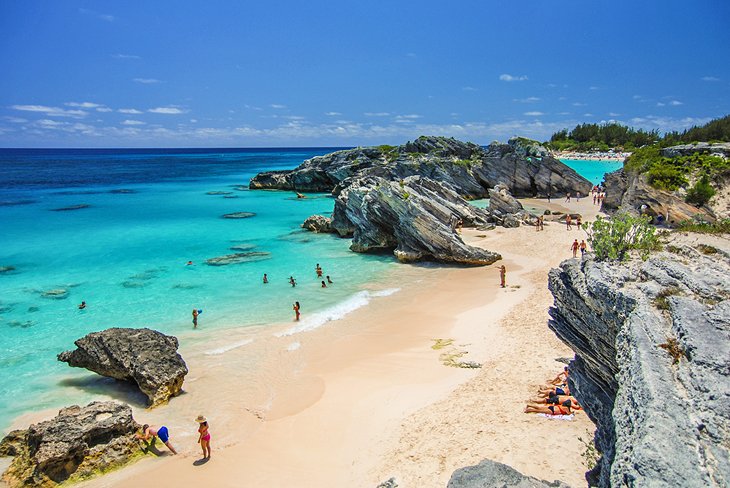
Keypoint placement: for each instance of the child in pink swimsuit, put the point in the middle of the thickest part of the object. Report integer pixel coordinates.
(204, 438)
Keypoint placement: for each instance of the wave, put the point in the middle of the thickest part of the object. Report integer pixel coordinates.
(228, 347)
(336, 312)
(293, 346)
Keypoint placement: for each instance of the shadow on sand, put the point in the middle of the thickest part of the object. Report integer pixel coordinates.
(118, 390)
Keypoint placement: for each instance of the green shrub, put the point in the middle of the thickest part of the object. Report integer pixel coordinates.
(612, 239)
(702, 227)
(666, 177)
(701, 192)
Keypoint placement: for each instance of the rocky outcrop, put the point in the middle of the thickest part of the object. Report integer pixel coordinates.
(78, 443)
(629, 191)
(414, 218)
(238, 258)
(238, 215)
(718, 148)
(142, 356)
(525, 167)
(652, 342)
(491, 474)
(500, 200)
(319, 224)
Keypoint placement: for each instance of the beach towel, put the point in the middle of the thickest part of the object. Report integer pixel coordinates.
(557, 417)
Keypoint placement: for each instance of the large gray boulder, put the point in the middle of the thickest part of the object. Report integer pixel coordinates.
(524, 166)
(652, 344)
(491, 474)
(502, 201)
(414, 218)
(144, 357)
(78, 443)
(318, 224)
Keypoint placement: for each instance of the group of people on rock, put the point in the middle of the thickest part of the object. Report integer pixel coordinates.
(554, 397)
(150, 432)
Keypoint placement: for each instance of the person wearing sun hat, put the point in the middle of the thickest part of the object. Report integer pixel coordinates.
(204, 438)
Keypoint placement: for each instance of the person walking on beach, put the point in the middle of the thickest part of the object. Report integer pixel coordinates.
(595, 198)
(204, 437)
(195, 318)
(503, 276)
(583, 247)
(567, 197)
(266, 278)
(548, 195)
(577, 196)
(542, 222)
(296, 311)
(568, 222)
(150, 432)
(578, 222)
(575, 247)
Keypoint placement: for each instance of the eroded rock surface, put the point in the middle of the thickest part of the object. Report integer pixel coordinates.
(144, 357)
(524, 166)
(238, 258)
(491, 474)
(414, 218)
(319, 224)
(659, 423)
(76, 444)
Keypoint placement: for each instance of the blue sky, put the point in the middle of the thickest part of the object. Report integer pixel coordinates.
(332, 73)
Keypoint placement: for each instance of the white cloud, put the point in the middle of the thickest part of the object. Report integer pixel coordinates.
(125, 56)
(104, 109)
(129, 111)
(50, 111)
(526, 100)
(277, 106)
(667, 123)
(147, 81)
(468, 88)
(166, 110)
(613, 114)
(332, 114)
(106, 17)
(132, 122)
(675, 103)
(376, 114)
(82, 104)
(660, 104)
(710, 78)
(587, 115)
(15, 120)
(534, 114)
(593, 88)
(579, 104)
(507, 77)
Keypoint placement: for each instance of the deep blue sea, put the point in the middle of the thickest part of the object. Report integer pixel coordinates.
(116, 229)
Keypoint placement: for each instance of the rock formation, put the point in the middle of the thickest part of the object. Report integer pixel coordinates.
(76, 444)
(415, 218)
(318, 223)
(524, 166)
(238, 215)
(718, 148)
(238, 258)
(628, 191)
(142, 356)
(652, 344)
(488, 474)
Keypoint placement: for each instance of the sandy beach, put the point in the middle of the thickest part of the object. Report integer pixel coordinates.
(367, 397)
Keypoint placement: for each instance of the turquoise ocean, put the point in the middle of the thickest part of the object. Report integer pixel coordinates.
(116, 229)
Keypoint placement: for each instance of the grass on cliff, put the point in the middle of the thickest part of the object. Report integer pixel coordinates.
(612, 239)
(703, 227)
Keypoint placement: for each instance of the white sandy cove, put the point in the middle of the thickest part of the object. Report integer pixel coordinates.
(365, 398)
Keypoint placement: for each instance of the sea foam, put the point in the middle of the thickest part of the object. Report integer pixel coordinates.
(228, 347)
(336, 312)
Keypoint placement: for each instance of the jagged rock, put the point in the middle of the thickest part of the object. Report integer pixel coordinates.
(719, 148)
(318, 223)
(659, 423)
(142, 356)
(78, 443)
(510, 222)
(491, 474)
(501, 201)
(628, 191)
(524, 166)
(415, 218)
(238, 215)
(56, 294)
(238, 258)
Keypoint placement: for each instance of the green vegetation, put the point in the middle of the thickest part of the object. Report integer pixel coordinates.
(590, 454)
(612, 239)
(661, 301)
(701, 192)
(390, 152)
(717, 130)
(703, 227)
(705, 249)
(601, 137)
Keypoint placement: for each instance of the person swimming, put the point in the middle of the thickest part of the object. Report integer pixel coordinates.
(329, 280)
(324, 285)
(292, 281)
(266, 278)
(82, 305)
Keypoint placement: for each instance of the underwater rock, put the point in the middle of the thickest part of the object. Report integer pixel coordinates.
(238, 215)
(6, 269)
(238, 258)
(218, 192)
(56, 294)
(242, 247)
(76, 444)
(12, 203)
(71, 207)
(123, 191)
(230, 196)
(145, 357)
(21, 324)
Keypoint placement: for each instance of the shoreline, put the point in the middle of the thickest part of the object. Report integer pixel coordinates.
(363, 398)
(592, 156)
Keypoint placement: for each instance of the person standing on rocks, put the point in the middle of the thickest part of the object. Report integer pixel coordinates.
(150, 432)
(503, 276)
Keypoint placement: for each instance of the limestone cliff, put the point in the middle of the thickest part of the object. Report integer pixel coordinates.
(523, 166)
(652, 362)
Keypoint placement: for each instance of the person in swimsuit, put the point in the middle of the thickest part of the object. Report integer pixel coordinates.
(329, 280)
(82, 305)
(292, 281)
(503, 275)
(568, 222)
(324, 285)
(195, 319)
(561, 389)
(318, 270)
(555, 400)
(575, 247)
(296, 310)
(204, 437)
(562, 377)
(583, 247)
(560, 409)
(150, 432)
(266, 278)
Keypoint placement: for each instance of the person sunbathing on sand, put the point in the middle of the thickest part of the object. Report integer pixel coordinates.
(554, 390)
(555, 400)
(562, 377)
(560, 409)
